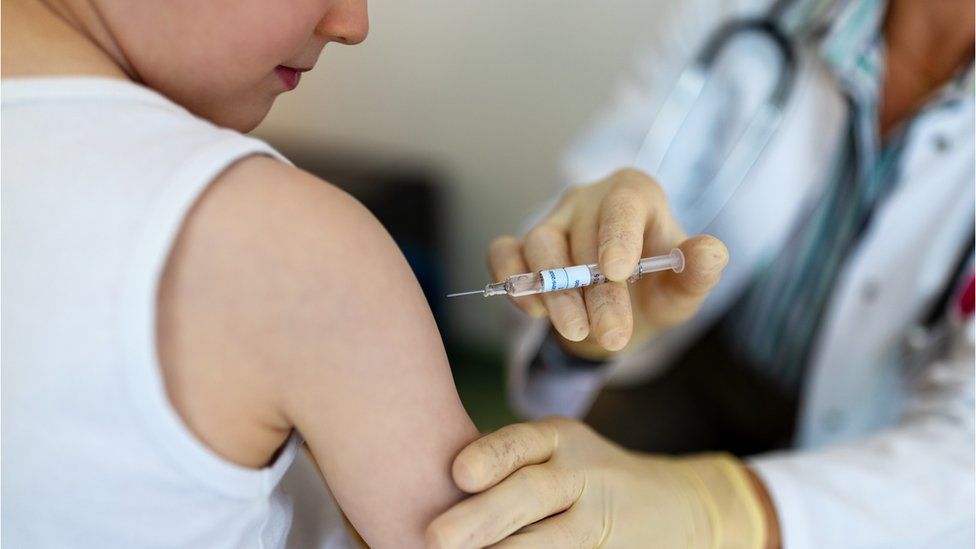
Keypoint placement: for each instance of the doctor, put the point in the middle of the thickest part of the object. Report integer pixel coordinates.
(846, 304)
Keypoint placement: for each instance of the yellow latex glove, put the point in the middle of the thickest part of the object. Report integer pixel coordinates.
(557, 483)
(613, 222)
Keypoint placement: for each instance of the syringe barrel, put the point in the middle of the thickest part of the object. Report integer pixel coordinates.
(524, 284)
(579, 276)
(674, 261)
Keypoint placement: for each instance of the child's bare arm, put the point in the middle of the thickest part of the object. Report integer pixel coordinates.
(285, 304)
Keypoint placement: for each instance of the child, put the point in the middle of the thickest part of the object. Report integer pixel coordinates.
(181, 306)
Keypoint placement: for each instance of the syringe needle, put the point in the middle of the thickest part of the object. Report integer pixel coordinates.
(466, 293)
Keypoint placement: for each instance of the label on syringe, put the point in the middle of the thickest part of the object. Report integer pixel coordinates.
(569, 277)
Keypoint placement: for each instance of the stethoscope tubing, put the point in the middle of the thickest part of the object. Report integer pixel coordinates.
(712, 195)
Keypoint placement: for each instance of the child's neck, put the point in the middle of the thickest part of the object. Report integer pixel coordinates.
(37, 40)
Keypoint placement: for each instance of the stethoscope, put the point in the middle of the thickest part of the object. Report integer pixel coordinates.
(705, 196)
(702, 198)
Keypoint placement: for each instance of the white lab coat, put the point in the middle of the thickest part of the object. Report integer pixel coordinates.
(885, 453)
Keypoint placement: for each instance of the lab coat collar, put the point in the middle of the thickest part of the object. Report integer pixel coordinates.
(851, 46)
(849, 36)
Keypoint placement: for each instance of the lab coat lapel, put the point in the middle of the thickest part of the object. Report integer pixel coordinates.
(854, 384)
(757, 220)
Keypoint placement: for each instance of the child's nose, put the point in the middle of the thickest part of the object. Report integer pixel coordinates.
(345, 21)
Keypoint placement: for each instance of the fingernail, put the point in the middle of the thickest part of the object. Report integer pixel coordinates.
(614, 339)
(537, 310)
(464, 477)
(614, 332)
(712, 260)
(577, 329)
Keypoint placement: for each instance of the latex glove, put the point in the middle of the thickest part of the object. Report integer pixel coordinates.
(614, 223)
(557, 483)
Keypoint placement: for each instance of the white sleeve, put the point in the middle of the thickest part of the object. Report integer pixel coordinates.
(909, 486)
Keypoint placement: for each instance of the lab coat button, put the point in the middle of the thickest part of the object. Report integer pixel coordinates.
(942, 143)
(870, 291)
(916, 338)
(832, 420)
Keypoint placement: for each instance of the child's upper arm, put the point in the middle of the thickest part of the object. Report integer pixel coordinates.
(366, 380)
(345, 347)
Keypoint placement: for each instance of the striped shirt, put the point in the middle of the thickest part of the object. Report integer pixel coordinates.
(774, 325)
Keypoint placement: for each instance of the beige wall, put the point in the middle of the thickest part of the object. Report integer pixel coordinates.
(488, 91)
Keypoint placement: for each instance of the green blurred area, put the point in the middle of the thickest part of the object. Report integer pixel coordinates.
(479, 372)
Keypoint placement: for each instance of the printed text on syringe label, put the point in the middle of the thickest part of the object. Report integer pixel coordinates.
(569, 277)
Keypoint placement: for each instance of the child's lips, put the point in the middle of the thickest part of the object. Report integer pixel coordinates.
(289, 76)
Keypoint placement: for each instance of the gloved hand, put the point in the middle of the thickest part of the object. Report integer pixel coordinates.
(614, 223)
(557, 483)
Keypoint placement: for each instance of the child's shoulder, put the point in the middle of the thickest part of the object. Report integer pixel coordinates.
(261, 194)
(271, 264)
(283, 225)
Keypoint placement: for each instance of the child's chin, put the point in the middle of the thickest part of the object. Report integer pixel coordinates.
(244, 118)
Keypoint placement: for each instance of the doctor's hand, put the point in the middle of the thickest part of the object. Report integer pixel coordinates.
(614, 223)
(557, 483)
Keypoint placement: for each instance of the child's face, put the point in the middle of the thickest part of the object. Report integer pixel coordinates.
(227, 60)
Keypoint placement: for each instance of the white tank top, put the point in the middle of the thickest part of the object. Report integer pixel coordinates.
(97, 177)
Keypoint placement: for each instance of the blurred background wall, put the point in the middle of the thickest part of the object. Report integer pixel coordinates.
(482, 97)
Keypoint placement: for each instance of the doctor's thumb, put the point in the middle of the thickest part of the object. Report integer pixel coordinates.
(673, 298)
(705, 258)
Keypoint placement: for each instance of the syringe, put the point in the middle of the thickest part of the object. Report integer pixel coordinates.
(577, 276)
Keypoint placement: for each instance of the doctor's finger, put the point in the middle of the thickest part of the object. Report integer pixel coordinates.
(623, 216)
(546, 248)
(528, 495)
(671, 298)
(491, 458)
(504, 260)
(663, 232)
(571, 528)
(607, 305)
